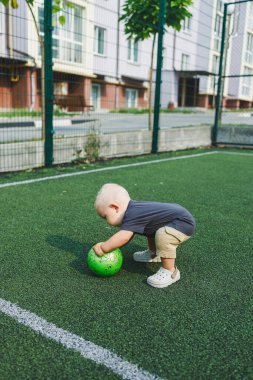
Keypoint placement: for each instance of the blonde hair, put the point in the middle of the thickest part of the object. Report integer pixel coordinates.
(109, 193)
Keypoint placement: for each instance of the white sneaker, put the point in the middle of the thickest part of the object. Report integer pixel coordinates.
(163, 278)
(146, 257)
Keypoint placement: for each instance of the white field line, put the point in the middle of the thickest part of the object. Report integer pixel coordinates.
(104, 169)
(74, 342)
(237, 154)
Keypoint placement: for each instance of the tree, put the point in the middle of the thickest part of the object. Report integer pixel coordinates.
(141, 19)
(58, 5)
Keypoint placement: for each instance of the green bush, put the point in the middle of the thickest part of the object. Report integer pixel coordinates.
(92, 146)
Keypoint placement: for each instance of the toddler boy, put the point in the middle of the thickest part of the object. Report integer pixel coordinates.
(166, 226)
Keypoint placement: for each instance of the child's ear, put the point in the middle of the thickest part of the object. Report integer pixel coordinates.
(114, 206)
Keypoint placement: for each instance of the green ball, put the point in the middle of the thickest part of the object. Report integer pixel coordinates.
(107, 265)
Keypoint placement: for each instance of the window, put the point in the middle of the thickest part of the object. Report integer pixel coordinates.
(249, 49)
(61, 88)
(186, 24)
(220, 5)
(218, 25)
(99, 41)
(41, 20)
(246, 84)
(185, 62)
(215, 70)
(131, 98)
(250, 18)
(2, 19)
(218, 32)
(133, 51)
(95, 95)
(67, 39)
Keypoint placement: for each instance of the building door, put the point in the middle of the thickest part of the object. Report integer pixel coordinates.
(131, 98)
(188, 92)
(95, 95)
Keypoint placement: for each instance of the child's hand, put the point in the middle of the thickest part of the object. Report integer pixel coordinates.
(97, 248)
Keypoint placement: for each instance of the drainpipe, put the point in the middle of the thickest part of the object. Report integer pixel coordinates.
(174, 59)
(9, 32)
(174, 49)
(13, 77)
(117, 58)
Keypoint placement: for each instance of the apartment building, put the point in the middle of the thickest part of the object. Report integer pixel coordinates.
(239, 89)
(192, 57)
(120, 65)
(14, 58)
(186, 59)
(21, 60)
(95, 63)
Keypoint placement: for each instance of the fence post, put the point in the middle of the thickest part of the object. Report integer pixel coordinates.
(219, 96)
(48, 83)
(156, 126)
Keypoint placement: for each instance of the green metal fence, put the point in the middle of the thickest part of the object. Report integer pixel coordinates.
(235, 75)
(73, 87)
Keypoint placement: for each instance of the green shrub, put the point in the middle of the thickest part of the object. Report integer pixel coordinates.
(92, 146)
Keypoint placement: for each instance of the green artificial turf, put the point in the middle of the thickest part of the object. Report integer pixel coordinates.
(84, 166)
(199, 328)
(27, 355)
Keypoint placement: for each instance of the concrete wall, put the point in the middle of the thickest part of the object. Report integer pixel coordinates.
(21, 156)
(236, 135)
(26, 155)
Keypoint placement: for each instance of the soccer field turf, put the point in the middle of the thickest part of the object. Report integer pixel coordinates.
(198, 328)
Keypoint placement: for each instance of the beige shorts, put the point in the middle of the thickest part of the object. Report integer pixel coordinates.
(167, 239)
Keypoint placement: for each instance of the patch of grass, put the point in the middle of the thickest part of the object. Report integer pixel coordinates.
(28, 357)
(237, 125)
(76, 167)
(20, 141)
(192, 126)
(241, 110)
(200, 327)
(180, 110)
(137, 111)
(25, 112)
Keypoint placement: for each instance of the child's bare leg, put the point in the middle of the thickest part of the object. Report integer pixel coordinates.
(151, 244)
(168, 264)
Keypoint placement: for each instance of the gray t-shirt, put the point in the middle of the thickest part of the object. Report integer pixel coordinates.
(145, 218)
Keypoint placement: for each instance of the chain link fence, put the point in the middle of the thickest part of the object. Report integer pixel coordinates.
(234, 107)
(99, 90)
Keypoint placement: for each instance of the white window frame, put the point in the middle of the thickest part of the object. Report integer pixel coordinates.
(133, 51)
(97, 41)
(249, 49)
(68, 43)
(61, 88)
(131, 91)
(218, 31)
(185, 62)
(2, 19)
(99, 95)
(250, 17)
(247, 82)
(220, 6)
(215, 70)
(187, 24)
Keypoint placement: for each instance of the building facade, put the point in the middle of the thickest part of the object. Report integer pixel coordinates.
(95, 64)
